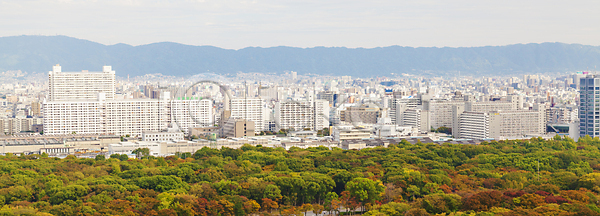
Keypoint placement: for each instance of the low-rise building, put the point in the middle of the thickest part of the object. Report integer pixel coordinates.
(341, 134)
(162, 136)
(156, 149)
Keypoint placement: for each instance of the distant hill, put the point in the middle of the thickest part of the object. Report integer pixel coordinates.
(39, 53)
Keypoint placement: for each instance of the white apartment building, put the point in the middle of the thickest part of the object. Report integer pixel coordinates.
(303, 114)
(133, 117)
(251, 109)
(399, 105)
(562, 115)
(124, 117)
(322, 113)
(74, 117)
(500, 124)
(472, 125)
(191, 113)
(18, 124)
(441, 112)
(417, 118)
(490, 106)
(84, 85)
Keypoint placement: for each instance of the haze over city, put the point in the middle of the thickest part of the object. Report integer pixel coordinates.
(238, 24)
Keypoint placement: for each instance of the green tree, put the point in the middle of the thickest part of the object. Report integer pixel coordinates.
(141, 152)
(365, 190)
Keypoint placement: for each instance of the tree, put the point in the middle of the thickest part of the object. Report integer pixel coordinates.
(141, 152)
(318, 209)
(269, 205)
(483, 201)
(227, 187)
(305, 208)
(392, 193)
(330, 200)
(365, 190)
(251, 207)
(441, 203)
(161, 183)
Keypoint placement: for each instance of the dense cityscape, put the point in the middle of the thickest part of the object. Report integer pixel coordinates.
(301, 144)
(299, 108)
(281, 110)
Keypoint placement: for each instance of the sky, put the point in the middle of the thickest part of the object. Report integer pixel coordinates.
(307, 23)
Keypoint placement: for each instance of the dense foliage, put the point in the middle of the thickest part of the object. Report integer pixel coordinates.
(523, 177)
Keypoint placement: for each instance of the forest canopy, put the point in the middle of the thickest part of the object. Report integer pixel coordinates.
(513, 177)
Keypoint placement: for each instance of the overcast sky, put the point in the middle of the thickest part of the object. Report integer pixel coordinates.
(307, 23)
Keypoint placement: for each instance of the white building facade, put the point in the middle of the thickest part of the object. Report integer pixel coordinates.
(251, 109)
(84, 85)
(302, 114)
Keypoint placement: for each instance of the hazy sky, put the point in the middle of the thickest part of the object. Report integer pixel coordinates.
(307, 23)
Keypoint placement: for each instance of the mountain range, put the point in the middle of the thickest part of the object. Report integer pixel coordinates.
(38, 53)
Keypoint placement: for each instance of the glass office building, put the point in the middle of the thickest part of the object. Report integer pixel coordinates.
(589, 106)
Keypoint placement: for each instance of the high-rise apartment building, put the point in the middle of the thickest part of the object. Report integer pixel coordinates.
(133, 117)
(417, 118)
(490, 106)
(36, 108)
(589, 106)
(368, 115)
(74, 117)
(441, 112)
(497, 124)
(304, 114)
(332, 97)
(399, 105)
(83, 103)
(251, 109)
(84, 85)
(125, 117)
(18, 124)
(191, 113)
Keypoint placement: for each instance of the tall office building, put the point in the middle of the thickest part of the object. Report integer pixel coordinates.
(589, 114)
(84, 85)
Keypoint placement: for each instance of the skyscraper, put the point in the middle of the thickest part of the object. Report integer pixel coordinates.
(589, 107)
